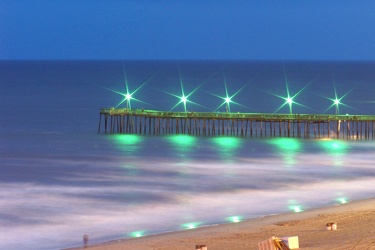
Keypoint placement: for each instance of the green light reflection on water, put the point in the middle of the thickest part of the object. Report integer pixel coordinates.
(288, 147)
(227, 143)
(227, 147)
(296, 209)
(335, 148)
(294, 206)
(183, 145)
(137, 234)
(234, 219)
(287, 144)
(127, 143)
(183, 141)
(342, 200)
(191, 225)
(130, 170)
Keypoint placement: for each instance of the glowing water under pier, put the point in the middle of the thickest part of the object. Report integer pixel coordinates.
(151, 122)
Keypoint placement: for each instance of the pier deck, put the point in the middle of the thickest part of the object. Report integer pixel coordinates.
(151, 122)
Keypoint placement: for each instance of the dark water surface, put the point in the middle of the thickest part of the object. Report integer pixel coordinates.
(60, 179)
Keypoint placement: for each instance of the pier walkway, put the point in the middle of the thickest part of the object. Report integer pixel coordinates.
(151, 122)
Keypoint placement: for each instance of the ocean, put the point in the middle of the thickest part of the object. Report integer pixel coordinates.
(60, 179)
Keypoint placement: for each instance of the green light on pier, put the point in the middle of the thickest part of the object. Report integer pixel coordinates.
(289, 100)
(227, 100)
(184, 96)
(184, 99)
(337, 101)
(128, 95)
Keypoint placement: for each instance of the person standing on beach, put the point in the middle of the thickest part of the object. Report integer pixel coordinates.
(85, 240)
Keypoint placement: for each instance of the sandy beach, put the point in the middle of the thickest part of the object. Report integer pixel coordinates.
(355, 230)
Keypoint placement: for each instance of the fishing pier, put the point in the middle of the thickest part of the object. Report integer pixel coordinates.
(151, 122)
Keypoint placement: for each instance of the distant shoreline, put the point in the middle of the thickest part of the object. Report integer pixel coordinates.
(309, 226)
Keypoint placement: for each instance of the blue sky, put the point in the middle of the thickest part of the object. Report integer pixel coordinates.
(182, 29)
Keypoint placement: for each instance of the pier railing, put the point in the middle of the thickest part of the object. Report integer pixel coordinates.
(140, 121)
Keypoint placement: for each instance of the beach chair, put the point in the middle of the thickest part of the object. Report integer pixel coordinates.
(280, 245)
(273, 243)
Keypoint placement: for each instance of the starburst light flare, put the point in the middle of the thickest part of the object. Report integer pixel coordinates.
(184, 98)
(228, 99)
(290, 99)
(337, 101)
(128, 95)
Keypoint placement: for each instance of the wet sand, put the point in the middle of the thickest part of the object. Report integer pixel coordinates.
(355, 230)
